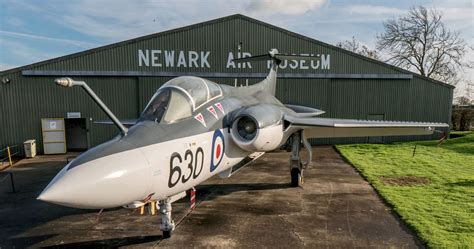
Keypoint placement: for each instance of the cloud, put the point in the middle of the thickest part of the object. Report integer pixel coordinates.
(120, 19)
(294, 7)
(16, 22)
(461, 19)
(86, 22)
(17, 52)
(4, 66)
(457, 14)
(81, 44)
(372, 12)
(116, 20)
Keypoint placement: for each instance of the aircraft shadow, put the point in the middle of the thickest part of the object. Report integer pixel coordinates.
(24, 242)
(211, 191)
(110, 243)
(21, 211)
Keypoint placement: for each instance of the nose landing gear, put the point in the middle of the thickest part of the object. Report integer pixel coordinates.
(167, 224)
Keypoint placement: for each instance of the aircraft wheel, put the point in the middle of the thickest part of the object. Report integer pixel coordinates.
(167, 234)
(296, 177)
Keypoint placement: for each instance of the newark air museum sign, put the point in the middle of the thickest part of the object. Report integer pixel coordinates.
(165, 61)
(200, 59)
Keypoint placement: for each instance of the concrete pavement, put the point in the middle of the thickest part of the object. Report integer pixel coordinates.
(336, 208)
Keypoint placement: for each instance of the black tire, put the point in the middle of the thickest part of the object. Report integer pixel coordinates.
(295, 177)
(167, 234)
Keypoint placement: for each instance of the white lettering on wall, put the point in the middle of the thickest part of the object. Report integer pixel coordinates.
(204, 57)
(303, 63)
(231, 64)
(169, 58)
(317, 62)
(181, 59)
(246, 64)
(238, 63)
(326, 61)
(200, 59)
(172, 58)
(294, 64)
(143, 58)
(154, 58)
(193, 58)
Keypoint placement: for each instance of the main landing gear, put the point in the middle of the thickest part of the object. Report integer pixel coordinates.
(167, 224)
(296, 166)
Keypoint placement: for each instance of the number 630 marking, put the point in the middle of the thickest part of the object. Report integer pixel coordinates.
(193, 160)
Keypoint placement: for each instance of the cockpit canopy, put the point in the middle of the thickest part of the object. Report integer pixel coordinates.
(179, 98)
(198, 90)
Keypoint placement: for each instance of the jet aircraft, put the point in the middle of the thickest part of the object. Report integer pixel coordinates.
(193, 129)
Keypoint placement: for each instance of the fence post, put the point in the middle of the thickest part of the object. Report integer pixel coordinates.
(9, 156)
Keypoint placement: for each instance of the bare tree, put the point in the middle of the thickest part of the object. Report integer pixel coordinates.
(467, 94)
(419, 41)
(463, 100)
(355, 46)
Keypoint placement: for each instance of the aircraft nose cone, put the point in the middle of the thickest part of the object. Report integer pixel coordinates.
(48, 196)
(50, 193)
(100, 181)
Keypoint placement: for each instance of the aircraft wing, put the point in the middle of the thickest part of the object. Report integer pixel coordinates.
(304, 111)
(125, 122)
(330, 127)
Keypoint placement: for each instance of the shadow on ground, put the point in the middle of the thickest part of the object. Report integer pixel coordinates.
(217, 190)
(110, 243)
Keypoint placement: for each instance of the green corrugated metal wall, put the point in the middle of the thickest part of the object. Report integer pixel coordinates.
(27, 99)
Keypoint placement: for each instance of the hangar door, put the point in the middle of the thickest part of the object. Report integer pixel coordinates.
(375, 140)
(77, 134)
(54, 136)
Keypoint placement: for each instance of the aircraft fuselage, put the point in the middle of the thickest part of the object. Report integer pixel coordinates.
(157, 159)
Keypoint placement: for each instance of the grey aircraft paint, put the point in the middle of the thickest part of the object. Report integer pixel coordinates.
(146, 132)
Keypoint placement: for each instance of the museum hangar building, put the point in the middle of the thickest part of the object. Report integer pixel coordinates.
(126, 74)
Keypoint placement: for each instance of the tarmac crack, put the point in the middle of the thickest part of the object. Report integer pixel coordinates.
(293, 229)
(327, 214)
(349, 226)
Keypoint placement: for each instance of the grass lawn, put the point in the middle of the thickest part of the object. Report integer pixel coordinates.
(433, 191)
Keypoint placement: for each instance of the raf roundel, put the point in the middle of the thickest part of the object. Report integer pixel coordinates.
(218, 148)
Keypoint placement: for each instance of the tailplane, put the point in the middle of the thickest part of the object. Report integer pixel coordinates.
(269, 83)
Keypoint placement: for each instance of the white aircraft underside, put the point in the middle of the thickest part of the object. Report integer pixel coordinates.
(163, 169)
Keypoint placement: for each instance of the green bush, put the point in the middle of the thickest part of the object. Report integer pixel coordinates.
(456, 119)
(466, 118)
(461, 119)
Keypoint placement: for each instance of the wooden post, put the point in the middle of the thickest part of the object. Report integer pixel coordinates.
(153, 207)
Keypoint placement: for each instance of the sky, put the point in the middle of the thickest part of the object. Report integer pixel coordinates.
(36, 30)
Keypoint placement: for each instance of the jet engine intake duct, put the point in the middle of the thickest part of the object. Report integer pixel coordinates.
(258, 128)
(247, 128)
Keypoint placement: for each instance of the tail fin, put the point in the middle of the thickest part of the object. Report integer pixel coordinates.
(269, 83)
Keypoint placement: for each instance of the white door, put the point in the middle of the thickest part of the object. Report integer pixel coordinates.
(54, 136)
